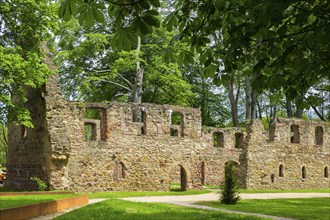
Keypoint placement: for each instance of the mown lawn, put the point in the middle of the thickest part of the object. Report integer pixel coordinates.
(286, 191)
(15, 201)
(125, 210)
(307, 208)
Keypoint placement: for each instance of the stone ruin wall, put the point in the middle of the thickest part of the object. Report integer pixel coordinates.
(121, 157)
(275, 159)
(139, 156)
(29, 148)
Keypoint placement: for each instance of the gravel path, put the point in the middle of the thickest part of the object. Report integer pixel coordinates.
(215, 196)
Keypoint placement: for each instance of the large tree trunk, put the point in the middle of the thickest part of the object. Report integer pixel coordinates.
(233, 101)
(288, 106)
(251, 100)
(248, 99)
(298, 101)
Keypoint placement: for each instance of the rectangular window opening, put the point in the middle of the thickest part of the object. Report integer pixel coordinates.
(295, 138)
(239, 139)
(218, 139)
(99, 116)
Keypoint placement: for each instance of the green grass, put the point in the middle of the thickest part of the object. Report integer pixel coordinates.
(15, 201)
(308, 208)
(286, 191)
(125, 210)
(135, 194)
(210, 187)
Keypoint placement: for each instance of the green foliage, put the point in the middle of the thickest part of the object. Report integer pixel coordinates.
(229, 189)
(284, 41)
(24, 25)
(129, 18)
(3, 145)
(103, 74)
(42, 186)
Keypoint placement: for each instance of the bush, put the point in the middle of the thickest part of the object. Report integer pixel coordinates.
(229, 191)
(42, 186)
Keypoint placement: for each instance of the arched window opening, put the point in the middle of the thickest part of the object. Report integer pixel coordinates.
(295, 138)
(303, 172)
(326, 172)
(272, 177)
(280, 171)
(119, 171)
(218, 139)
(319, 135)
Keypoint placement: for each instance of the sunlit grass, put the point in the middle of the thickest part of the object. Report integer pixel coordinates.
(125, 210)
(307, 208)
(286, 191)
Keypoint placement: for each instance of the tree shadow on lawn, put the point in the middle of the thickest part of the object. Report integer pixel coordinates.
(125, 210)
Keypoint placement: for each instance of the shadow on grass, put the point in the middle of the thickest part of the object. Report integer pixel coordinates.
(124, 210)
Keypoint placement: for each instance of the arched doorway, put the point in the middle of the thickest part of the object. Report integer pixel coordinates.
(183, 179)
(179, 178)
(203, 173)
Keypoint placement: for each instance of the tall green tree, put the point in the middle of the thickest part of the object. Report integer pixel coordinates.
(285, 43)
(25, 24)
(284, 40)
(89, 64)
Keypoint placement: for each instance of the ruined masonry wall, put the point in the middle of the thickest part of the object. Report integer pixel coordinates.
(147, 151)
(29, 147)
(149, 160)
(264, 156)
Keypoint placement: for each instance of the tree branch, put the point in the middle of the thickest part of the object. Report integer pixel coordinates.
(125, 4)
(317, 112)
(117, 84)
(126, 80)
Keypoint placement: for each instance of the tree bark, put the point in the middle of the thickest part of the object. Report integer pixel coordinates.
(298, 100)
(251, 100)
(137, 91)
(247, 99)
(233, 101)
(288, 106)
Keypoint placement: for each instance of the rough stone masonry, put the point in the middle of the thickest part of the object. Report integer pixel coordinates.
(102, 147)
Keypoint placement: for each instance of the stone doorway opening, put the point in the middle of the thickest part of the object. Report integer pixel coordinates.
(179, 179)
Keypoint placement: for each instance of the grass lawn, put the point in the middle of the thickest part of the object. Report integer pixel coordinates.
(125, 210)
(309, 208)
(286, 191)
(15, 201)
